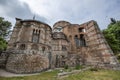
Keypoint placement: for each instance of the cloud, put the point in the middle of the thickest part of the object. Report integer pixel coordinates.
(74, 11)
(14, 8)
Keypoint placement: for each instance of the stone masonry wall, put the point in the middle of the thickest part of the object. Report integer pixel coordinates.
(3, 57)
(26, 63)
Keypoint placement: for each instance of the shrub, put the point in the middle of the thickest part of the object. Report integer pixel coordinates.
(94, 69)
(118, 56)
(77, 66)
(66, 67)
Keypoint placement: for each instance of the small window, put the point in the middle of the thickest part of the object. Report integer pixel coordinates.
(64, 48)
(62, 56)
(22, 46)
(34, 46)
(70, 37)
(81, 30)
(43, 49)
(76, 36)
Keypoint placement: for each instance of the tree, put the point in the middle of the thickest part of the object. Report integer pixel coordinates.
(3, 44)
(112, 35)
(5, 27)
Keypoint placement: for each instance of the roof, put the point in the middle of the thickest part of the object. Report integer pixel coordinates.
(30, 20)
(59, 23)
(59, 35)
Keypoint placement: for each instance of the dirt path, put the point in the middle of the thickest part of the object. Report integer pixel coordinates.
(4, 73)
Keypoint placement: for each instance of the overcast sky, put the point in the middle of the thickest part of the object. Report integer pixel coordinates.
(51, 11)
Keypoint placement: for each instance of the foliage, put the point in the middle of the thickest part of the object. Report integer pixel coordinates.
(118, 57)
(66, 67)
(5, 27)
(4, 32)
(112, 35)
(78, 66)
(93, 69)
(3, 44)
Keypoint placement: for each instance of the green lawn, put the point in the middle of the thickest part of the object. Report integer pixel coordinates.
(95, 75)
(86, 75)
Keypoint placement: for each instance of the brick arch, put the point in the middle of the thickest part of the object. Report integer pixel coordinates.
(34, 47)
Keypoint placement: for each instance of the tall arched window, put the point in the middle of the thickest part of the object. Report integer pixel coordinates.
(76, 40)
(82, 40)
(35, 36)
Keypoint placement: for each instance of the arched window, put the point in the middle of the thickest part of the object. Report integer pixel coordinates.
(81, 30)
(43, 49)
(35, 36)
(76, 40)
(34, 46)
(82, 40)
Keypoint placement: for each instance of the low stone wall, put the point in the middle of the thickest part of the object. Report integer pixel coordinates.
(26, 63)
(64, 74)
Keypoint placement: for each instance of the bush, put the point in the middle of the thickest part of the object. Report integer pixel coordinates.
(93, 69)
(66, 67)
(78, 66)
(118, 56)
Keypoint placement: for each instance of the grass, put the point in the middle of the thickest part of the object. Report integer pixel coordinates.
(86, 75)
(42, 76)
(95, 75)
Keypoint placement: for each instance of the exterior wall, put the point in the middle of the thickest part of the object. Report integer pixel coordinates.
(96, 49)
(27, 63)
(99, 48)
(29, 54)
(71, 31)
(58, 54)
(34, 47)
(14, 35)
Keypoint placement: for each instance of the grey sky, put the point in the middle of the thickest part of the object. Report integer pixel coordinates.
(50, 11)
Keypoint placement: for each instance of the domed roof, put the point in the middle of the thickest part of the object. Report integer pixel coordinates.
(61, 24)
(31, 20)
(59, 35)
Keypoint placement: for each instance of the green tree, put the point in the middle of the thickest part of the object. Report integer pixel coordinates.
(3, 44)
(5, 27)
(112, 35)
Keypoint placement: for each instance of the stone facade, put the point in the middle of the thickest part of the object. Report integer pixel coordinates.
(34, 46)
(29, 47)
(27, 63)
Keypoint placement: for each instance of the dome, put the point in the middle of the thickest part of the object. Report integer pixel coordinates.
(61, 24)
(59, 35)
(34, 21)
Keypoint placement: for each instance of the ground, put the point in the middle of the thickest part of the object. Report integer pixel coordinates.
(86, 75)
